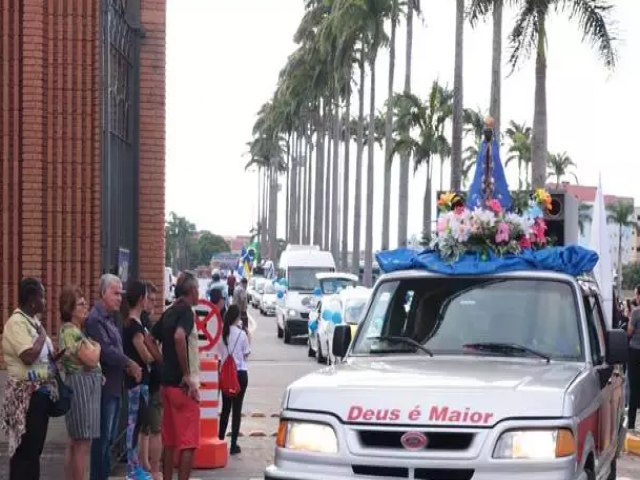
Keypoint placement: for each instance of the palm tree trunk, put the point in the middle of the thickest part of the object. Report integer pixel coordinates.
(335, 234)
(265, 213)
(309, 188)
(403, 196)
(301, 170)
(456, 136)
(442, 174)
(303, 190)
(293, 197)
(328, 186)
(357, 205)
(539, 139)
(287, 209)
(426, 228)
(368, 239)
(319, 189)
(496, 67)
(344, 259)
(619, 279)
(273, 213)
(519, 174)
(388, 140)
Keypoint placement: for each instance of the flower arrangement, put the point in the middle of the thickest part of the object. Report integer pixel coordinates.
(490, 229)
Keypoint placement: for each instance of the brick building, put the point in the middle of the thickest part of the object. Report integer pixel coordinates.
(82, 134)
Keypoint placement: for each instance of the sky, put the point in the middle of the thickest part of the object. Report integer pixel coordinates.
(223, 60)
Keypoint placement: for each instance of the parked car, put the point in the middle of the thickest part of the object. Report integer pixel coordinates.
(344, 308)
(268, 299)
(492, 377)
(251, 288)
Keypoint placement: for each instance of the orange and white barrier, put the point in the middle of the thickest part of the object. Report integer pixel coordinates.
(212, 452)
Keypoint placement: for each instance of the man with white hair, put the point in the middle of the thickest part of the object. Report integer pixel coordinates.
(101, 326)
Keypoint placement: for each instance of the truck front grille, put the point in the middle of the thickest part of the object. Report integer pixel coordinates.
(419, 473)
(453, 441)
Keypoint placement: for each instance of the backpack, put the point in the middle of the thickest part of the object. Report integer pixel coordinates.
(229, 383)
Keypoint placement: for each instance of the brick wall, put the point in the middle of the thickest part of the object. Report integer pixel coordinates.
(152, 143)
(49, 149)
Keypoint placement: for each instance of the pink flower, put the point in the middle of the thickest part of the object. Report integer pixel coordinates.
(525, 242)
(502, 234)
(442, 224)
(539, 231)
(494, 205)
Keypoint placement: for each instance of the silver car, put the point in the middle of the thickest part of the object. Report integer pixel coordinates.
(490, 377)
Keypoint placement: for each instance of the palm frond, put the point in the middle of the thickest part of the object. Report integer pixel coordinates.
(593, 18)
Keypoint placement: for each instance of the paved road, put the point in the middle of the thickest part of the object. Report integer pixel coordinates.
(273, 366)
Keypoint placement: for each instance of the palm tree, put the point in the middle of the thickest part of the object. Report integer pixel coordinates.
(428, 119)
(388, 156)
(519, 135)
(456, 136)
(530, 34)
(584, 216)
(558, 165)
(403, 196)
(474, 127)
(478, 9)
(620, 213)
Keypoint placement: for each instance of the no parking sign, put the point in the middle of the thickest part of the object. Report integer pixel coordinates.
(209, 325)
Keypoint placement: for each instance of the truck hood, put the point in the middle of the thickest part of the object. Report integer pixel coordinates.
(467, 391)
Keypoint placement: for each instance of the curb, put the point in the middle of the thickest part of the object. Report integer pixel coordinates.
(632, 444)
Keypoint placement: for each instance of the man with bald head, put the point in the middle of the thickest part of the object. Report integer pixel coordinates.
(101, 326)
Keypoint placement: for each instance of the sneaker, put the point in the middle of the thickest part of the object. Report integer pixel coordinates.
(235, 449)
(141, 474)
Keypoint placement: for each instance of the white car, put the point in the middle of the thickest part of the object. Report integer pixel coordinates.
(344, 308)
(258, 290)
(268, 299)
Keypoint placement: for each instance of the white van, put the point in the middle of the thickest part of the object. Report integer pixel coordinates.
(299, 265)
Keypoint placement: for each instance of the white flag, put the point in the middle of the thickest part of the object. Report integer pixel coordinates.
(600, 243)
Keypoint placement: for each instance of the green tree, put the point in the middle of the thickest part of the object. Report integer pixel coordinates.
(474, 128)
(427, 120)
(519, 135)
(529, 34)
(558, 165)
(631, 275)
(620, 213)
(457, 124)
(178, 232)
(208, 245)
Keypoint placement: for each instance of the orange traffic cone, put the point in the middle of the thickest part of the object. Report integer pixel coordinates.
(212, 452)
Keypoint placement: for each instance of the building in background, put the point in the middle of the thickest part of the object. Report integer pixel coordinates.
(635, 248)
(586, 196)
(82, 144)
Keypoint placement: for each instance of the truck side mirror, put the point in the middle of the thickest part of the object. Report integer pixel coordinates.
(341, 340)
(617, 347)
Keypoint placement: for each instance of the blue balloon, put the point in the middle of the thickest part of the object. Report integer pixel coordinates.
(327, 315)
(317, 292)
(313, 326)
(280, 294)
(336, 318)
(284, 282)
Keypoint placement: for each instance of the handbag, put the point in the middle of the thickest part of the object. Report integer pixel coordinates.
(60, 407)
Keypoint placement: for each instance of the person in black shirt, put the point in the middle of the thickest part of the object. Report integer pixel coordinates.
(150, 438)
(176, 332)
(133, 345)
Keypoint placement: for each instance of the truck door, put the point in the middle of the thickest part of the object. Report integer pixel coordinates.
(607, 379)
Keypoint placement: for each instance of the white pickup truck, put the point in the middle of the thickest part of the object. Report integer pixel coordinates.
(488, 377)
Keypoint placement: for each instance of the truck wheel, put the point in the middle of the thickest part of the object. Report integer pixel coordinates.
(287, 334)
(280, 332)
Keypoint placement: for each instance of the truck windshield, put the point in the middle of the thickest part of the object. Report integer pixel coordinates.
(303, 279)
(451, 315)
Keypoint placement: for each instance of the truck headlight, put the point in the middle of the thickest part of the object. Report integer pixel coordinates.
(292, 313)
(535, 444)
(307, 437)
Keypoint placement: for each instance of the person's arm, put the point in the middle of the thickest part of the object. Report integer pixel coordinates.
(140, 346)
(152, 347)
(184, 326)
(18, 336)
(635, 318)
(246, 346)
(109, 354)
(89, 353)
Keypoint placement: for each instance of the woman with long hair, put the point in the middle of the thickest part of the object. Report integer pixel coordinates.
(133, 345)
(236, 344)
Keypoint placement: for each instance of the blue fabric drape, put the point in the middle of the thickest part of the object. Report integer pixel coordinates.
(476, 197)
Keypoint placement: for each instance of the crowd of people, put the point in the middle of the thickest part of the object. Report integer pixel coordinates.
(629, 319)
(115, 348)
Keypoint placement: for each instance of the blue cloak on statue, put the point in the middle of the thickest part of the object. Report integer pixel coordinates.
(476, 196)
